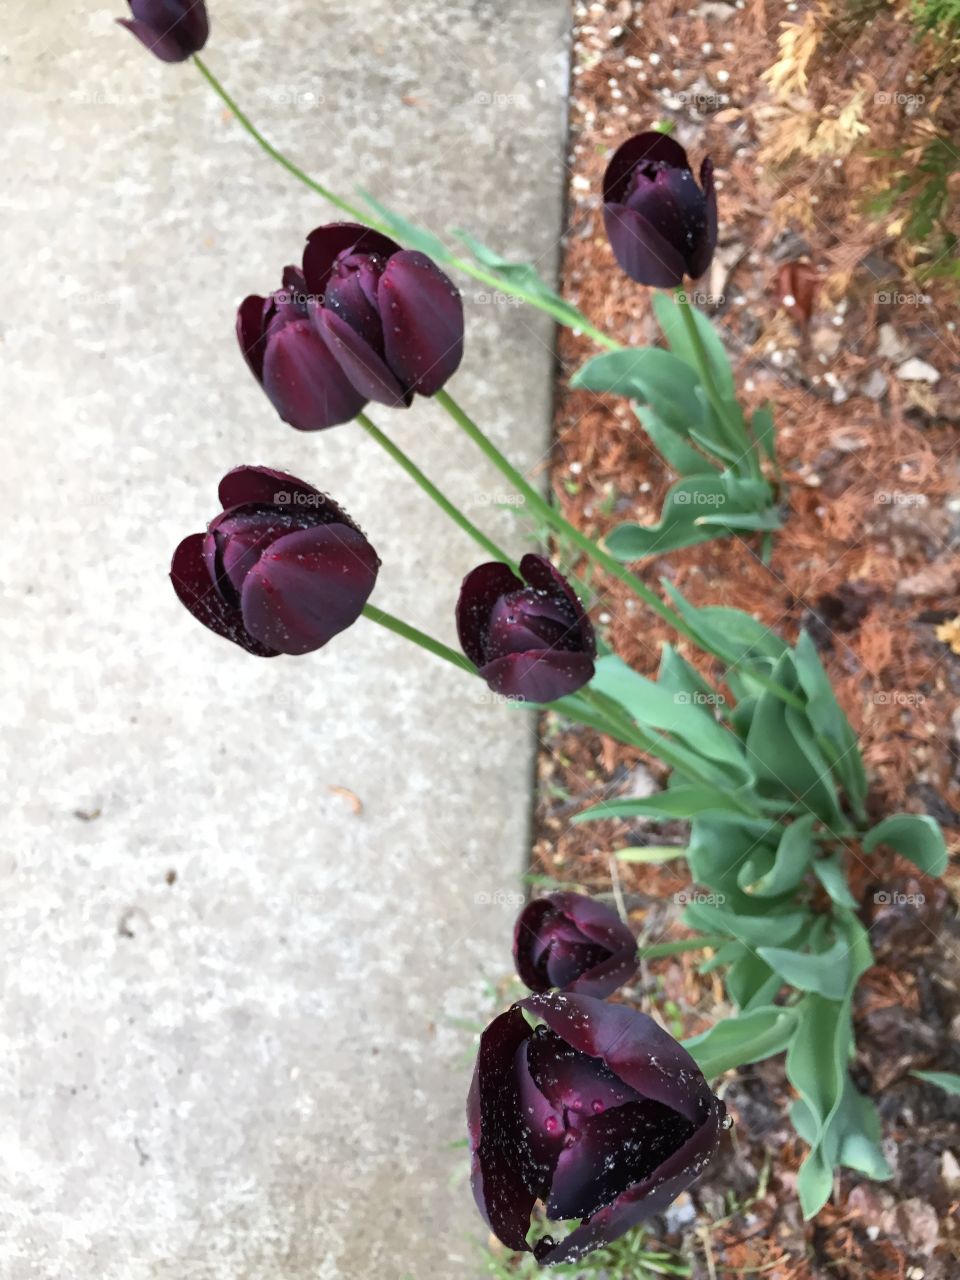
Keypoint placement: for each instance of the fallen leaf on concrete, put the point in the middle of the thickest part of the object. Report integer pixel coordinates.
(356, 804)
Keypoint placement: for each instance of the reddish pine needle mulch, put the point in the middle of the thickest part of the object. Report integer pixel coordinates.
(868, 560)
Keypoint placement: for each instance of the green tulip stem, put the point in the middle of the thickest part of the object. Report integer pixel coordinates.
(552, 517)
(563, 315)
(403, 629)
(272, 151)
(431, 490)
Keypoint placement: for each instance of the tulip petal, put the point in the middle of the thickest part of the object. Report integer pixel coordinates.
(641, 252)
(366, 370)
(644, 1199)
(497, 1127)
(191, 582)
(543, 1130)
(251, 335)
(528, 943)
(543, 576)
(572, 1081)
(612, 1152)
(262, 486)
(308, 586)
(650, 147)
(303, 381)
(479, 592)
(608, 976)
(540, 675)
(326, 244)
(702, 254)
(632, 1045)
(422, 314)
(164, 45)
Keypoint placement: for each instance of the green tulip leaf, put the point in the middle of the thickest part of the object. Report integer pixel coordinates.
(947, 1080)
(915, 835)
(650, 375)
(829, 871)
(672, 445)
(521, 279)
(826, 974)
(748, 1037)
(657, 707)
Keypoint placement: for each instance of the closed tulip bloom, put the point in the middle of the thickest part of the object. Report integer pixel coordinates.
(293, 364)
(569, 941)
(390, 317)
(660, 223)
(282, 569)
(172, 29)
(530, 639)
(597, 1112)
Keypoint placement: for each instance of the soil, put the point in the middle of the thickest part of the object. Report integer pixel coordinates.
(868, 561)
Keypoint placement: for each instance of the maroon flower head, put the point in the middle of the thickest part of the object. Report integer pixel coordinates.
(174, 30)
(598, 1112)
(389, 316)
(572, 942)
(661, 225)
(290, 360)
(282, 569)
(530, 639)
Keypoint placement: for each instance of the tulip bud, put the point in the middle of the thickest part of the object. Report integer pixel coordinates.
(598, 1112)
(660, 224)
(282, 569)
(390, 317)
(531, 639)
(292, 363)
(568, 940)
(174, 30)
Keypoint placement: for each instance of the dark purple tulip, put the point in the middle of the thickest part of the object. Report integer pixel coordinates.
(570, 941)
(290, 360)
(600, 1114)
(281, 570)
(530, 640)
(390, 316)
(172, 29)
(660, 224)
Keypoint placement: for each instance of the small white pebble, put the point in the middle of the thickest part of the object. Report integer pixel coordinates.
(723, 76)
(654, 59)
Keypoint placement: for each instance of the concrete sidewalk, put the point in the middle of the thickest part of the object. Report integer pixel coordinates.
(229, 1049)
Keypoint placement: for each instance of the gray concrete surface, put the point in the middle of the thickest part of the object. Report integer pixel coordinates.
(227, 1038)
